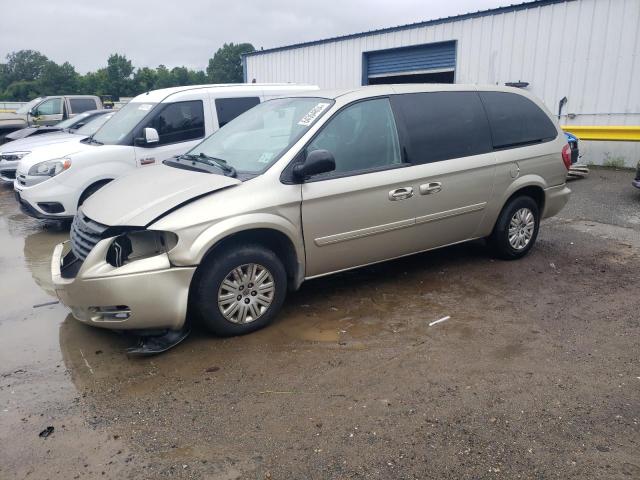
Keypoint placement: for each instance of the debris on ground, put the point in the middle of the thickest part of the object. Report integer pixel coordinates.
(46, 432)
(443, 319)
(46, 304)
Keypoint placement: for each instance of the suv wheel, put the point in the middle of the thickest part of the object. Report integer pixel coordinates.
(239, 290)
(516, 230)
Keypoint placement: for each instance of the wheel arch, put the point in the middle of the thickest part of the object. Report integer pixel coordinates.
(101, 182)
(276, 234)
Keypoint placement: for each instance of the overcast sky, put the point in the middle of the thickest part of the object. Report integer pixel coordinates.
(188, 32)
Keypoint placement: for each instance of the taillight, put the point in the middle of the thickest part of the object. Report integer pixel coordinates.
(566, 156)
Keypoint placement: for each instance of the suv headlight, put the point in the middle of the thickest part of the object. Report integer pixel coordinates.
(12, 156)
(139, 244)
(50, 168)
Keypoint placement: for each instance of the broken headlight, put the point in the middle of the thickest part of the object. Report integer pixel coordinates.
(139, 244)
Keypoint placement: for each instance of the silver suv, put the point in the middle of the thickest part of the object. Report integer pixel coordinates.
(301, 187)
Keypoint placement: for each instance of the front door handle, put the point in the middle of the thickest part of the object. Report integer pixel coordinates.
(429, 188)
(401, 193)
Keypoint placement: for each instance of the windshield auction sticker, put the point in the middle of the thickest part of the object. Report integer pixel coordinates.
(145, 106)
(313, 114)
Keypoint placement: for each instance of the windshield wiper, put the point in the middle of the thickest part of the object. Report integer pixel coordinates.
(90, 139)
(217, 162)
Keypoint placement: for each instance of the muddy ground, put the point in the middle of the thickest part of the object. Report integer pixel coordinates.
(535, 375)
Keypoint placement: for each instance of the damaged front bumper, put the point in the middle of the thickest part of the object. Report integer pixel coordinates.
(145, 294)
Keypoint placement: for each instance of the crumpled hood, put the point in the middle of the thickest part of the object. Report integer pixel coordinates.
(138, 198)
(29, 143)
(59, 148)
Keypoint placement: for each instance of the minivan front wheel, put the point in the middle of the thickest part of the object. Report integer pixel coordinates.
(516, 230)
(239, 290)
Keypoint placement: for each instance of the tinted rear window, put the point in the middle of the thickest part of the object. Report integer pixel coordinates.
(516, 121)
(443, 125)
(229, 108)
(79, 105)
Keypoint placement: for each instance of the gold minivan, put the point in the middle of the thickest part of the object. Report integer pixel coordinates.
(305, 186)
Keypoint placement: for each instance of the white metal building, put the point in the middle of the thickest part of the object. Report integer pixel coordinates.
(585, 50)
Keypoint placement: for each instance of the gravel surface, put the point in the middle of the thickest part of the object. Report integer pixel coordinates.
(536, 374)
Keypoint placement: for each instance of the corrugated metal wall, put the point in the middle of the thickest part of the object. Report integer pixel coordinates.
(586, 50)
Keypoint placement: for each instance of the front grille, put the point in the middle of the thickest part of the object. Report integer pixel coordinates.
(85, 234)
(10, 174)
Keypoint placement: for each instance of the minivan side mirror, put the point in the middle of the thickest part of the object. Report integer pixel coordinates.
(150, 135)
(318, 161)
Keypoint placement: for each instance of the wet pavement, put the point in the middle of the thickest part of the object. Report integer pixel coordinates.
(535, 375)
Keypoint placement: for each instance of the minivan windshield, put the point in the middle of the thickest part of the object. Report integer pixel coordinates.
(123, 122)
(254, 140)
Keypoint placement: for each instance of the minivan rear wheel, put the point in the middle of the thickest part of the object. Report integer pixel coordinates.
(516, 230)
(239, 290)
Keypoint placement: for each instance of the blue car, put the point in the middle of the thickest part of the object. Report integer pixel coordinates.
(573, 144)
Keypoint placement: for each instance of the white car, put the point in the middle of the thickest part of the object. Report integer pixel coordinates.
(51, 183)
(12, 152)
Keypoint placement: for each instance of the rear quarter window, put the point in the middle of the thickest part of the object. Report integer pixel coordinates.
(229, 108)
(443, 125)
(79, 105)
(516, 121)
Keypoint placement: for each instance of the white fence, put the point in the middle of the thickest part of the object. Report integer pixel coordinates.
(10, 106)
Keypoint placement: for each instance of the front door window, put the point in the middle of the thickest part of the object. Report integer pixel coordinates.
(362, 137)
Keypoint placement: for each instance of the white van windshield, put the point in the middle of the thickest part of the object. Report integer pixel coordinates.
(254, 140)
(122, 123)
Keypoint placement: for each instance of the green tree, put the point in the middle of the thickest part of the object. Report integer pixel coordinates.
(119, 76)
(145, 79)
(58, 79)
(25, 65)
(164, 77)
(22, 91)
(94, 83)
(226, 64)
(197, 77)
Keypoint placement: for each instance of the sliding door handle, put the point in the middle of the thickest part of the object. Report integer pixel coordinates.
(401, 193)
(429, 188)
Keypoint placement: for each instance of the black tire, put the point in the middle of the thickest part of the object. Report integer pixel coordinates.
(91, 189)
(499, 239)
(214, 271)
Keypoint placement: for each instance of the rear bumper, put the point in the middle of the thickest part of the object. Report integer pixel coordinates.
(555, 198)
(146, 294)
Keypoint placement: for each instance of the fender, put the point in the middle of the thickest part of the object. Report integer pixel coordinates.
(497, 203)
(214, 234)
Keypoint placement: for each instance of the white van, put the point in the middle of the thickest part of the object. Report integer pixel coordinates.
(51, 183)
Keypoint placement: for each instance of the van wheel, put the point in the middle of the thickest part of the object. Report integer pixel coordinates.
(91, 189)
(516, 230)
(239, 290)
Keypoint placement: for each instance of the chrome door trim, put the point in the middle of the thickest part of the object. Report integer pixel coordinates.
(364, 232)
(451, 213)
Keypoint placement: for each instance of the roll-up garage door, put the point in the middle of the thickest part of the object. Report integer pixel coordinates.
(434, 62)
